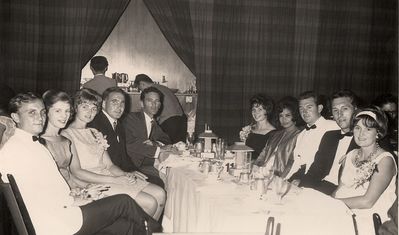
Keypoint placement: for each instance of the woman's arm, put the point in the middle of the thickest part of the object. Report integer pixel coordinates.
(115, 170)
(88, 176)
(378, 183)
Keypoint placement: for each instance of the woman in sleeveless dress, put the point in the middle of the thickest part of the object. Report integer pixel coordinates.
(256, 135)
(100, 169)
(367, 182)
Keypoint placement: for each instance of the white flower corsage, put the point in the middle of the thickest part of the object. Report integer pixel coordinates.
(245, 132)
(364, 171)
(100, 140)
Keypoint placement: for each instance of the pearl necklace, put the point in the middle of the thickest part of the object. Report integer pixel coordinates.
(358, 162)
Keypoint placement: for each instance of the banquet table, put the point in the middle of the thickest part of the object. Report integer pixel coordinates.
(198, 203)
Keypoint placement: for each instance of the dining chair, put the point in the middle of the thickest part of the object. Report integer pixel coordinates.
(377, 222)
(17, 206)
(270, 227)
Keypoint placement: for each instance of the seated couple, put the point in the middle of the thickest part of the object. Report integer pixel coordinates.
(44, 190)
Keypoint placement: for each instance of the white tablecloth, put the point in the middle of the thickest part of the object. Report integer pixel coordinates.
(196, 203)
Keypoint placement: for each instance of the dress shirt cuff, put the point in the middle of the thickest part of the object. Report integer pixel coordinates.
(156, 155)
(295, 167)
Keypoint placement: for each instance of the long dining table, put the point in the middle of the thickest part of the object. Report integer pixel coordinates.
(200, 203)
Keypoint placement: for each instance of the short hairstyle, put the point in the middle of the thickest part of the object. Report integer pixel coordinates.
(383, 99)
(110, 90)
(380, 123)
(142, 78)
(310, 94)
(151, 89)
(265, 101)
(348, 94)
(99, 63)
(50, 97)
(22, 98)
(86, 95)
(291, 104)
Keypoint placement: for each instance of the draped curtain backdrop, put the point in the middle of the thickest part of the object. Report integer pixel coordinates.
(238, 48)
(45, 44)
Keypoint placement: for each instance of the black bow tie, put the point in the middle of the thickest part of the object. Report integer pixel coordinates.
(310, 127)
(40, 139)
(349, 134)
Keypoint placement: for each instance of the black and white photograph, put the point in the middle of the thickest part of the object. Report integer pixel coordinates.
(199, 117)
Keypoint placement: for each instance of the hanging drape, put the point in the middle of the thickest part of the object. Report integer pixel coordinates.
(279, 47)
(46, 43)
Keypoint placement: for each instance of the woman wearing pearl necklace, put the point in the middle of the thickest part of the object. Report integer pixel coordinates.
(367, 183)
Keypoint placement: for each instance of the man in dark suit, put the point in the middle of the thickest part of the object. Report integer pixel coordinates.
(323, 173)
(107, 121)
(145, 140)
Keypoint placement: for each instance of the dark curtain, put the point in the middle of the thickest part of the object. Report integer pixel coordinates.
(46, 43)
(279, 48)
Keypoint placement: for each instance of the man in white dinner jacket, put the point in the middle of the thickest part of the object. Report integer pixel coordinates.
(307, 143)
(45, 192)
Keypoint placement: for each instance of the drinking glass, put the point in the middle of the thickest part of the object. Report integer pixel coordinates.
(281, 186)
(190, 139)
(220, 148)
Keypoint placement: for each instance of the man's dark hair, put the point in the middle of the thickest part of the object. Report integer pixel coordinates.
(99, 63)
(310, 94)
(142, 78)
(383, 99)
(22, 98)
(112, 90)
(151, 89)
(346, 93)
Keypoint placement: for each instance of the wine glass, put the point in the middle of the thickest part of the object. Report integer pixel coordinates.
(190, 139)
(281, 186)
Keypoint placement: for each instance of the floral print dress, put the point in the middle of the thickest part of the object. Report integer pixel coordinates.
(90, 145)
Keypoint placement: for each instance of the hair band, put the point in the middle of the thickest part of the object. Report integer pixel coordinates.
(367, 113)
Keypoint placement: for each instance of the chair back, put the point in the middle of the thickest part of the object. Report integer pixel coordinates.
(17, 206)
(377, 222)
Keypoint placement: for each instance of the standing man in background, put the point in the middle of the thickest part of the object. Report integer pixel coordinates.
(171, 118)
(100, 82)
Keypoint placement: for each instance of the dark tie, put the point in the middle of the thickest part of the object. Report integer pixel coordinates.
(40, 139)
(310, 127)
(114, 125)
(349, 134)
(152, 129)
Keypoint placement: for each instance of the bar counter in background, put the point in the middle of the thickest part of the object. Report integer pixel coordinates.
(187, 101)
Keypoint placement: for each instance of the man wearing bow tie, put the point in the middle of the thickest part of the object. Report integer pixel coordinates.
(323, 173)
(310, 108)
(36, 173)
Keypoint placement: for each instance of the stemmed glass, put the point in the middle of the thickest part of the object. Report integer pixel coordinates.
(190, 139)
(281, 186)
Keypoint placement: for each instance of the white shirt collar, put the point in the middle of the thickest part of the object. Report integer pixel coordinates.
(110, 119)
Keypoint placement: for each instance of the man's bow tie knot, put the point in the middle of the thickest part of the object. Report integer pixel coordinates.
(349, 134)
(38, 138)
(310, 127)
